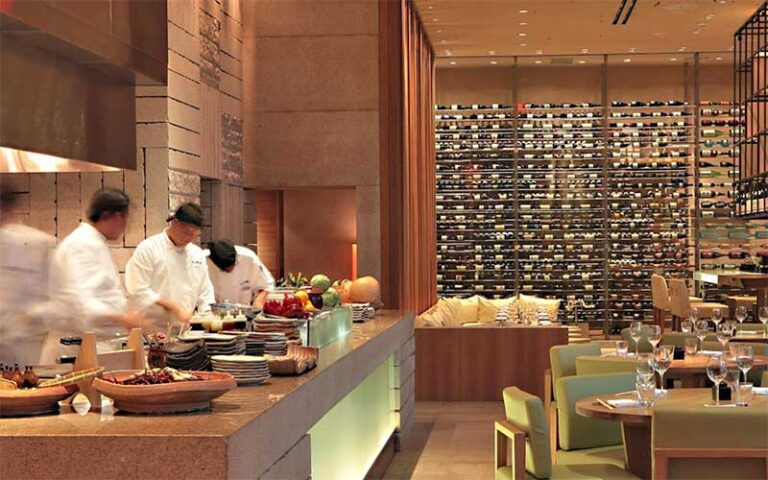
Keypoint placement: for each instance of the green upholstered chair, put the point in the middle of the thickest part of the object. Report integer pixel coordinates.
(696, 442)
(522, 445)
(644, 346)
(678, 338)
(602, 365)
(562, 360)
(581, 435)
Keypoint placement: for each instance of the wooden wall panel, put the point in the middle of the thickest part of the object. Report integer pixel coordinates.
(269, 229)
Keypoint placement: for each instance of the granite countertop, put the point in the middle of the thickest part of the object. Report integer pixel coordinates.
(231, 412)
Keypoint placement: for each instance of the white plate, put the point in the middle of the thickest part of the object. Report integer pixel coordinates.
(237, 358)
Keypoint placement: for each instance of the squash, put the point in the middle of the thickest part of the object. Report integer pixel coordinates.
(365, 290)
(343, 287)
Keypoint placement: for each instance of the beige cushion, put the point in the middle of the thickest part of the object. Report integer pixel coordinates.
(449, 311)
(534, 303)
(468, 309)
(489, 308)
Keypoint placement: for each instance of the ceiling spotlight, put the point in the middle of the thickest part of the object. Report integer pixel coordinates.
(523, 24)
(673, 59)
(435, 20)
(493, 62)
(523, 44)
(582, 62)
(522, 34)
(522, 11)
(491, 52)
(584, 50)
(439, 31)
(443, 41)
(448, 52)
(710, 16)
(719, 58)
(453, 63)
(539, 52)
(632, 50)
(538, 62)
(722, 2)
(429, 7)
(627, 60)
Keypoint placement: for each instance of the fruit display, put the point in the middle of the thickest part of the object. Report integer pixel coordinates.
(342, 286)
(365, 290)
(292, 281)
(331, 297)
(320, 283)
(292, 306)
(155, 376)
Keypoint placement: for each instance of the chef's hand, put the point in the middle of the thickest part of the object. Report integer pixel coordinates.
(261, 298)
(182, 315)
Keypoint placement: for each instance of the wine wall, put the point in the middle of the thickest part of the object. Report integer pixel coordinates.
(581, 202)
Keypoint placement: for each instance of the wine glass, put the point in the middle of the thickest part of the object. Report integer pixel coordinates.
(745, 358)
(724, 333)
(686, 326)
(732, 373)
(662, 359)
(654, 335)
(716, 370)
(717, 316)
(762, 315)
(700, 329)
(645, 366)
(636, 332)
(694, 314)
(741, 315)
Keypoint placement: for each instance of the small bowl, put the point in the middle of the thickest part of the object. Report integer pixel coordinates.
(33, 401)
(166, 397)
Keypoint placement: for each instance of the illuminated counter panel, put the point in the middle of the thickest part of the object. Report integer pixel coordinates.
(252, 432)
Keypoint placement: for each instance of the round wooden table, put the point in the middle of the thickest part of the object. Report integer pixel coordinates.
(692, 371)
(636, 421)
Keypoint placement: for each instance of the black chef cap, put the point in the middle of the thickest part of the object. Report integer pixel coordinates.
(189, 213)
(223, 253)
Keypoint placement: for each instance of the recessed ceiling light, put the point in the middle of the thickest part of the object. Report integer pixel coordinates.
(632, 50)
(491, 52)
(582, 61)
(722, 2)
(523, 24)
(522, 11)
(435, 20)
(493, 62)
(523, 44)
(537, 61)
(710, 16)
(682, 49)
(584, 50)
(448, 52)
(719, 58)
(453, 63)
(673, 59)
(439, 31)
(658, 34)
(430, 7)
(522, 34)
(696, 32)
(539, 52)
(627, 60)
(443, 41)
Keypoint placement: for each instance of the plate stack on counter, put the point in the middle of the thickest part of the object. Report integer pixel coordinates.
(247, 369)
(216, 343)
(362, 312)
(254, 344)
(187, 355)
(288, 327)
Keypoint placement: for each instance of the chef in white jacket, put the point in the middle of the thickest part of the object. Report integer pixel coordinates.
(169, 271)
(237, 273)
(88, 281)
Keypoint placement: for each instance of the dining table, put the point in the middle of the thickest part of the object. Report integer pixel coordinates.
(636, 421)
(737, 279)
(690, 371)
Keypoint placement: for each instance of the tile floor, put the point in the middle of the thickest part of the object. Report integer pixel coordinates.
(450, 441)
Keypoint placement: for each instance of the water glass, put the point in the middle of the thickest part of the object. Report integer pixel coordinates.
(724, 334)
(762, 315)
(644, 366)
(745, 358)
(622, 347)
(662, 359)
(741, 315)
(716, 370)
(691, 346)
(732, 373)
(744, 393)
(686, 326)
(700, 329)
(646, 391)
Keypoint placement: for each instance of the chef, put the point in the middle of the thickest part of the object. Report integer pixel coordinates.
(89, 283)
(169, 271)
(237, 274)
(25, 261)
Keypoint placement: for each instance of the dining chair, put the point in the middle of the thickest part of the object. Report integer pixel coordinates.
(603, 365)
(585, 435)
(660, 299)
(522, 447)
(681, 304)
(694, 441)
(562, 359)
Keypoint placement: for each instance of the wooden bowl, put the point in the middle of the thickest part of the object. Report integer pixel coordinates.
(34, 401)
(167, 397)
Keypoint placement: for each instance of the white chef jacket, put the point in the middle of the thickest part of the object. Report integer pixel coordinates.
(91, 283)
(25, 307)
(159, 269)
(248, 277)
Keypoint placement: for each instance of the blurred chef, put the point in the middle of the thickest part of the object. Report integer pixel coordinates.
(169, 271)
(237, 274)
(90, 282)
(25, 260)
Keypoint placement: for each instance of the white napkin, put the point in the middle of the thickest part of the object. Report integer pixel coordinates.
(760, 390)
(711, 353)
(623, 402)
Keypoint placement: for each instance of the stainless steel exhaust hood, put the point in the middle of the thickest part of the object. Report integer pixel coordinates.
(68, 72)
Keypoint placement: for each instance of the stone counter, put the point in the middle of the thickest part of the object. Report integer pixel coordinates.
(245, 435)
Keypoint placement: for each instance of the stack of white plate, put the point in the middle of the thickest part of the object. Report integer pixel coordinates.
(362, 312)
(247, 369)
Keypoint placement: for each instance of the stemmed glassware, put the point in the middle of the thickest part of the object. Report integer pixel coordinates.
(662, 357)
(645, 367)
(762, 315)
(741, 315)
(700, 329)
(636, 332)
(732, 373)
(717, 316)
(724, 333)
(745, 358)
(654, 335)
(693, 315)
(716, 370)
(686, 326)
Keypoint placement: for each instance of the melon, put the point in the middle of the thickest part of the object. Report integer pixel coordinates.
(331, 298)
(320, 283)
(365, 290)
